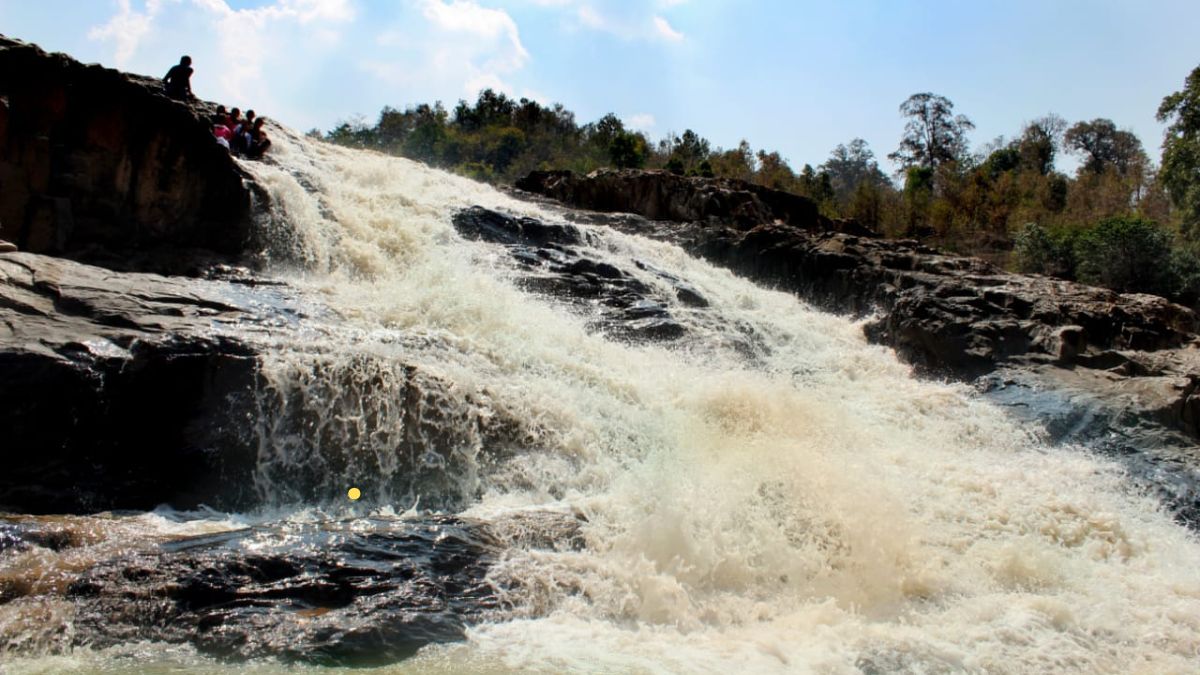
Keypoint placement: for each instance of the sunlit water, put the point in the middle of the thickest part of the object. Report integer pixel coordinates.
(809, 507)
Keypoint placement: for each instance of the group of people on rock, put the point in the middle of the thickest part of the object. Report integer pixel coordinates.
(243, 136)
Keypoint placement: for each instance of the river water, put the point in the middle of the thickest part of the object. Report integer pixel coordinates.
(769, 493)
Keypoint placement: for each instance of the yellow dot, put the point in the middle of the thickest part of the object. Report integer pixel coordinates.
(354, 494)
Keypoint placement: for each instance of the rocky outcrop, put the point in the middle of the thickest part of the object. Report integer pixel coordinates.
(944, 313)
(948, 314)
(121, 390)
(101, 166)
(660, 195)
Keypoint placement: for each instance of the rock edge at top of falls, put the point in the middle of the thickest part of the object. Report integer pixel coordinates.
(101, 166)
(947, 315)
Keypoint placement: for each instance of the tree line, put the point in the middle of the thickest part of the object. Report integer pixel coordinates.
(1120, 219)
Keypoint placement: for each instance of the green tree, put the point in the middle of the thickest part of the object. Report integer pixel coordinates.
(850, 166)
(1039, 143)
(736, 163)
(1180, 172)
(1127, 254)
(934, 135)
(1105, 147)
(628, 150)
(1042, 251)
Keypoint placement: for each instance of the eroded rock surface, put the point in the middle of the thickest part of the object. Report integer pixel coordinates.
(946, 314)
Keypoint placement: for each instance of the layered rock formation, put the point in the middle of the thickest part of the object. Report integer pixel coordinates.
(123, 390)
(99, 165)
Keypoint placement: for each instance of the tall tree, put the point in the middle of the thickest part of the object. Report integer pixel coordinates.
(850, 166)
(934, 134)
(1180, 171)
(1039, 143)
(1103, 146)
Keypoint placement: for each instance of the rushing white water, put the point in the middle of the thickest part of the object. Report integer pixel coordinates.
(811, 509)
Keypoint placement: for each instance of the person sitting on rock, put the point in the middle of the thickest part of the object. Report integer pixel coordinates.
(221, 129)
(243, 137)
(178, 81)
(233, 119)
(259, 142)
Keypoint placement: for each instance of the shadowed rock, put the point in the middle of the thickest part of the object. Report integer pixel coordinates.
(352, 593)
(555, 262)
(100, 165)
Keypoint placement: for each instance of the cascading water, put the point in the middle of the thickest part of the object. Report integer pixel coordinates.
(766, 493)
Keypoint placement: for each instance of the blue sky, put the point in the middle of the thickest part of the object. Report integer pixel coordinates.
(795, 76)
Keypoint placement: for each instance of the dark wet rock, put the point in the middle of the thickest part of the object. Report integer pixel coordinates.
(353, 593)
(556, 262)
(100, 165)
(945, 314)
(1126, 418)
(119, 390)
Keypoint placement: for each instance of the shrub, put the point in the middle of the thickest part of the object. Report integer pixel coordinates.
(1042, 251)
(1127, 254)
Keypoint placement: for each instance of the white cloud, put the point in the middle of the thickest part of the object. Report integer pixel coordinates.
(665, 30)
(259, 55)
(466, 17)
(454, 48)
(628, 22)
(126, 29)
(641, 122)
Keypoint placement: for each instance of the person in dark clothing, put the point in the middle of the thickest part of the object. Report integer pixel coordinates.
(178, 81)
(258, 140)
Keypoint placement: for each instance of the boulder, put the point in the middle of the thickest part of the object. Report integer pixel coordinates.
(99, 165)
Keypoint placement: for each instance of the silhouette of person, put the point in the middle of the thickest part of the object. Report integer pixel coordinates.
(259, 141)
(178, 81)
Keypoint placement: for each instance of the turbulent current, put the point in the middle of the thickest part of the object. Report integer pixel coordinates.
(766, 493)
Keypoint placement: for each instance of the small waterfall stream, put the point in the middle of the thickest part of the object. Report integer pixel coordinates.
(763, 492)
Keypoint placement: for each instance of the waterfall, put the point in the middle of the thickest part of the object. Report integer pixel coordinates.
(769, 492)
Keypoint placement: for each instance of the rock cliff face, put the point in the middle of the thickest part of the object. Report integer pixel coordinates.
(100, 165)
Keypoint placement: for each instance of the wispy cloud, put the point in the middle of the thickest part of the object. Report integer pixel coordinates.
(454, 43)
(638, 22)
(664, 29)
(126, 29)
